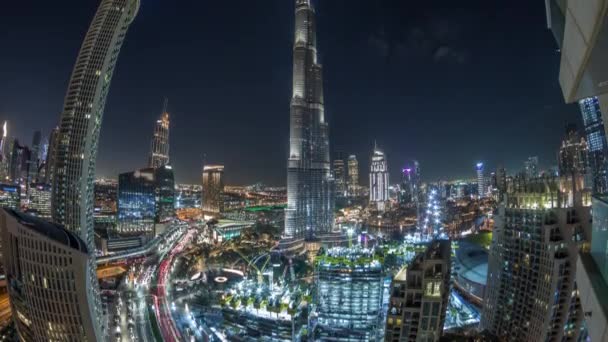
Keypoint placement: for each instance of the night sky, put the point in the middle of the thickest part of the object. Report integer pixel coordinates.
(446, 82)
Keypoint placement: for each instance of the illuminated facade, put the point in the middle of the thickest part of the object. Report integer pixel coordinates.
(531, 167)
(481, 182)
(340, 175)
(39, 199)
(350, 285)
(310, 186)
(213, 189)
(10, 196)
(531, 293)
(50, 156)
(146, 198)
(159, 148)
(573, 153)
(378, 180)
(596, 142)
(419, 296)
(353, 176)
(47, 268)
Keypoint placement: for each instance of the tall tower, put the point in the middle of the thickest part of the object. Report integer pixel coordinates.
(80, 124)
(378, 180)
(340, 174)
(481, 184)
(159, 148)
(353, 176)
(310, 195)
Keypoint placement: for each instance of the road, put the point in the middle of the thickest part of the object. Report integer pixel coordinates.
(162, 310)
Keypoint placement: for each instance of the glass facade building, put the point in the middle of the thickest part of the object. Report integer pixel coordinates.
(596, 142)
(10, 196)
(213, 189)
(350, 286)
(310, 185)
(39, 200)
(145, 197)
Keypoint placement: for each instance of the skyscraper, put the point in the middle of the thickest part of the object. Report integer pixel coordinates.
(310, 188)
(340, 174)
(405, 195)
(573, 153)
(349, 294)
(481, 182)
(531, 293)
(33, 161)
(501, 179)
(5, 153)
(80, 124)
(50, 156)
(531, 167)
(47, 270)
(596, 141)
(353, 176)
(378, 180)
(213, 189)
(419, 296)
(159, 148)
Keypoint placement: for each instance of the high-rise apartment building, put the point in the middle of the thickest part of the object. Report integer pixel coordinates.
(353, 176)
(340, 174)
(47, 270)
(531, 293)
(531, 167)
(310, 186)
(573, 153)
(213, 189)
(146, 199)
(159, 147)
(419, 296)
(378, 180)
(481, 181)
(348, 302)
(79, 127)
(580, 30)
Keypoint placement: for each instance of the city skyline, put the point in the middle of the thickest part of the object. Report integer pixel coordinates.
(382, 41)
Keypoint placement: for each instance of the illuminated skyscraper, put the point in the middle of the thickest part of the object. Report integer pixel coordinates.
(50, 156)
(481, 183)
(378, 180)
(159, 148)
(80, 124)
(531, 293)
(596, 141)
(213, 189)
(340, 174)
(573, 153)
(33, 160)
(531, 167)
(310, 193)
(353, 176)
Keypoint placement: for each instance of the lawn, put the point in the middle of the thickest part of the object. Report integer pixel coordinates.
(483, 239)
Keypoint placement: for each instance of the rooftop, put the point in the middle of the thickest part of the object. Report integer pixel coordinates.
(51, 230)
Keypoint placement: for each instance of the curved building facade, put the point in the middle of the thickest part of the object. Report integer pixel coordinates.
(76, 150)
(310, 186)
(47, 269)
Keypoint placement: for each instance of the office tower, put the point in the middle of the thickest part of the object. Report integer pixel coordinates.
(340, 174)
(33, 160)
(6, 149)
(159, 148)
(406, 194)
(10, 196)
(378, 180)
(50, 156)
(310, 188)
(39, 201)
(416, 182)
(419, 296)
(596, 141)
(146, 199)
(481, 182)
(213, 189)
(47, 270)
(573, 153)
(348, 301)
(80, 124)
(353, 176)
(501, 179)
(531, 293)
(531, 167)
